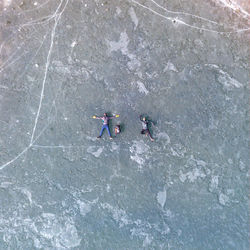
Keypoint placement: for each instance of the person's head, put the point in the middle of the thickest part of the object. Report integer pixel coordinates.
(144, 118)
(105, 114)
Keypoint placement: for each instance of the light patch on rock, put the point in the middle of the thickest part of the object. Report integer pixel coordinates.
(170, 67)
(242, 165)
(118, 11)
(139, 150)
(96, 151)
(30, 78)
(147, 240)
(161, 197)
(169, 213)
(178, 150)
(142, 88)
(114, 147)
(233, 5)
(225, 79)
(122, 45)
(198, 42)
(6, 3)
(134, 63)
(108, 188)
(164, 136)
(223, 199)
(3, 87)
(84, 207)
(192, 162)
(195, 174)
(200, 163)
(137, 159)
(91, 138)
(191, 176)
(230, 192)
(214, 183)
(28, 194)
(60, 231)
(54, 231)
(133, 17)
(37, 243)
(118, 215)
(182, 177)
(59, 67)
(73, 44)
(5, 184)
(213, 124)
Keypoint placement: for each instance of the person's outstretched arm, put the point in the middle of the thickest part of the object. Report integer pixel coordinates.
(152, 122)
(114, 116)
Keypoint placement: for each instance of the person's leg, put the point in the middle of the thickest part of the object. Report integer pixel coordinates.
(103, 126)
(148, 132)
(143, 131)
(107, 127)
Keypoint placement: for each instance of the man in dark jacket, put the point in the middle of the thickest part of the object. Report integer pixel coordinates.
(145, 129)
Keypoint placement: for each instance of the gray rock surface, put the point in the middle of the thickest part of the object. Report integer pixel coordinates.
(185, 64)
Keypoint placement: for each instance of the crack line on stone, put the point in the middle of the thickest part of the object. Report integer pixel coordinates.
(37, 51)
(235, 7)
(57, 18)
(8, 62)
(32, 23)
(24, 151)
(40, 21)
(32, 141)
(178, 21)
(184, 13)
(56, 146)
(37, 8)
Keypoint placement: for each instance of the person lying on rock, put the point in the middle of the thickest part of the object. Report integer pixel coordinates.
(105, 119)
(145, 129)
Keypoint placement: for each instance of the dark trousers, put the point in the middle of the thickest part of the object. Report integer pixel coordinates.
(146, 132)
